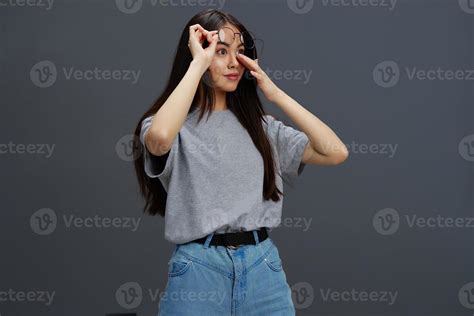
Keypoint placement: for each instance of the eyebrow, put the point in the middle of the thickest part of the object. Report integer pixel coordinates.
(227, 45)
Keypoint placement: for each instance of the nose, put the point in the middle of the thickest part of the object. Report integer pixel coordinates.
(233, 62)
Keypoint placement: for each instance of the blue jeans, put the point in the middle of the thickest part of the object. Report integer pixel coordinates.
(220, 280)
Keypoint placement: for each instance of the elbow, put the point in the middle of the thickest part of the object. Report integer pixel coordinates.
(159, 143)
(340, 157)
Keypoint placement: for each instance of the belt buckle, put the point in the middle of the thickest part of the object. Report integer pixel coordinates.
(226, 242)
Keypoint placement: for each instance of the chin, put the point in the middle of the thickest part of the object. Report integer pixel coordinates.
(230, 88)
(233, 86)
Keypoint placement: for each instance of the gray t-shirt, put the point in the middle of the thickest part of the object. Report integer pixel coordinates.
(214, 175)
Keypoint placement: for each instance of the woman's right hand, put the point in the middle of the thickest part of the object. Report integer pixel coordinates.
(197, 35)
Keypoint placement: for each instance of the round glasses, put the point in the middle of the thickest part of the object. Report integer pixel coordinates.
(227, 36)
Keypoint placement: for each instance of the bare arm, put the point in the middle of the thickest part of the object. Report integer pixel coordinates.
(169, 119)
(171, 116)
(325, 147)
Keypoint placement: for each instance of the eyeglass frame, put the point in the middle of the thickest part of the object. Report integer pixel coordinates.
(254, 39)
(240, 37)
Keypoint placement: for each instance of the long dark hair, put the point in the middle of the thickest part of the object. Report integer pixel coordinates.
(244, 102)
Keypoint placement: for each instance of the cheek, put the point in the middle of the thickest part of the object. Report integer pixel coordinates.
(217, 68)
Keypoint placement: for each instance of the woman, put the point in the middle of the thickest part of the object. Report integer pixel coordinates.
(220, 179)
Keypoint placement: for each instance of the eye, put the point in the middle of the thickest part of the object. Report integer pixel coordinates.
(241, 51)
(222, 49)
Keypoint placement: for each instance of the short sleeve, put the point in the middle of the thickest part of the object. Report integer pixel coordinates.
(156, 166)
(290, 144)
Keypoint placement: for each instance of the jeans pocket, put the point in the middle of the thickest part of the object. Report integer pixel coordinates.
(178, 264)
(273, 260)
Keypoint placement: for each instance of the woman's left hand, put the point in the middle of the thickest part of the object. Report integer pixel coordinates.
(267, 86)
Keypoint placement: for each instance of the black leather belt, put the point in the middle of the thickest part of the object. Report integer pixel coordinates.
(233, 240)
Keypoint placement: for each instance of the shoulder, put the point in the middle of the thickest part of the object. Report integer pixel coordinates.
(268, 118)
(145, 125)
(273, 126)
(269, 122)
(147, 120)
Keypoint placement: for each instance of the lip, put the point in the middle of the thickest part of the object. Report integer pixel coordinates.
(232, 76)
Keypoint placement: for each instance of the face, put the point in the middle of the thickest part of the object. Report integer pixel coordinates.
(225, 62)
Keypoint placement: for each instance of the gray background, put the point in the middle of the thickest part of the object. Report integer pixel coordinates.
(89, 175)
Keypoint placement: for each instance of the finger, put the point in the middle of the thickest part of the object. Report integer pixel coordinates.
(193, 29)
(204, 34)
(255, 74)
(199, 36)
(203, 30)
(214, 41)
(248, 62)
(195, 26)
(210, 35)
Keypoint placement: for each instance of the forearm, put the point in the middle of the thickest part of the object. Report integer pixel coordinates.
(171, 116)
(322, 138)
